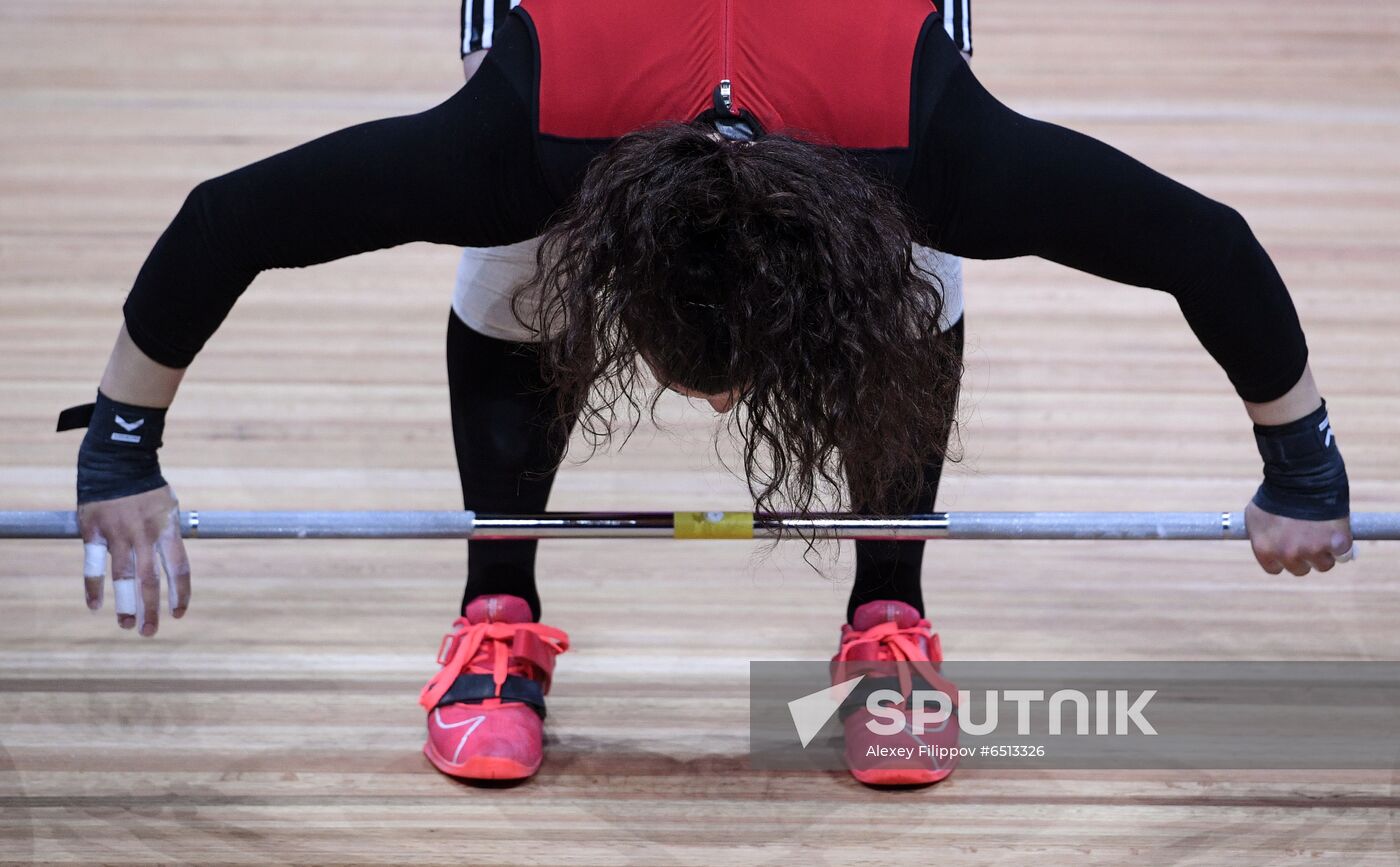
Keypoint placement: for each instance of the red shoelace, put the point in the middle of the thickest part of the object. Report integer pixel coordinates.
(497, 649)
(899, 645)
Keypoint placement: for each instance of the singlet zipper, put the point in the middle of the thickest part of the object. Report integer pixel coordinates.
(725, 88)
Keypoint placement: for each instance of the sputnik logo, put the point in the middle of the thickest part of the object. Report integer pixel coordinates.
(810, 712)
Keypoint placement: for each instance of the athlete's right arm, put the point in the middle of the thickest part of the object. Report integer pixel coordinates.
(462, 173)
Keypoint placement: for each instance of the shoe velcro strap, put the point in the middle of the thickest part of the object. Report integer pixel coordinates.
(858, 697)
(449, 641)
(528, 647)
(476, 688)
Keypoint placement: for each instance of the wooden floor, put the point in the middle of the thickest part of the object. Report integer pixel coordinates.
(278, 722)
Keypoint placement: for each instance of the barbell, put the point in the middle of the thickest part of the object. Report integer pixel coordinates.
(693, 525)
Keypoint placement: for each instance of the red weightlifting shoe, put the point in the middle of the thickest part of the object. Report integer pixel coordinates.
(485, 707)
(893, 646)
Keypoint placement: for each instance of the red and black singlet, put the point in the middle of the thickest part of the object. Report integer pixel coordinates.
(565, 78)
(810, 70)
(608, 68)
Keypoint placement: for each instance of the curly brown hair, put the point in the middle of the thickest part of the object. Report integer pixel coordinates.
(776, 268)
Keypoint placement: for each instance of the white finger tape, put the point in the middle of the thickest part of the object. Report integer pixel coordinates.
(94, 560)
(172, 590)
(124, 589)
(1349, 555)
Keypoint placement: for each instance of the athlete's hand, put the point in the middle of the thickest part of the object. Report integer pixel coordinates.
(142, 535)
(1299, 546)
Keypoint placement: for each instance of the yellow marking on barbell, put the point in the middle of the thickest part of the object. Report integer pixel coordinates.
(714, 525)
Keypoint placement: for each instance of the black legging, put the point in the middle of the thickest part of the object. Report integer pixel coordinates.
(507, 457)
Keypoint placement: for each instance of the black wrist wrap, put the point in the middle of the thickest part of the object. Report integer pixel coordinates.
(1304, 476)
(118, 455)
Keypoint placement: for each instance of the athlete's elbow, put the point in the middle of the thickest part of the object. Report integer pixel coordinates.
(210, 205)
(1230, 266)
(1233, 228)
(217, 218)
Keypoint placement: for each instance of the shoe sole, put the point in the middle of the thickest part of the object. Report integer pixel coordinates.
(900, 776)
(480, 767)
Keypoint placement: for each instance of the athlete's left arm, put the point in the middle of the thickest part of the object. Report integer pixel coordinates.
(994, 184)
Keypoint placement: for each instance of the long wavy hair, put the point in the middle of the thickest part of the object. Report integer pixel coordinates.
(775, 268)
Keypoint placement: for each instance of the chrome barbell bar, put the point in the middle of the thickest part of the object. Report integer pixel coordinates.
(694, 525)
